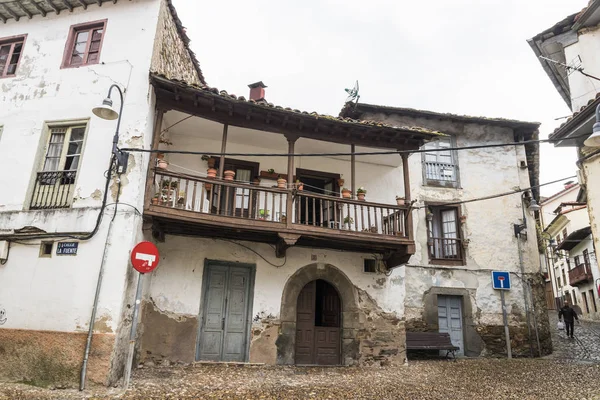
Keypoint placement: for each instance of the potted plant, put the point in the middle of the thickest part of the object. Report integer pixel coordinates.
(346, 193)
(211, 173)
(348, 221)
(263, 214)
(283, 218)
(428, 215)
(400, 200)
(340, 181)
(271, 171)
(229, 175)
(180, 200)
(360, 193)
(299, 185)
(210, 160)
(160, 156)
(281, 182)
(162, 163)
(155, 199)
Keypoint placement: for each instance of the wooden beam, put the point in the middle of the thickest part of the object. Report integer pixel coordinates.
(39, 8)
(158, 120)
(290, 170)
(68, 5)
(285, 241)
(353, 170)
(407, 196)
(83, 4)
(26, 11)
(11, 12)
(53, 6)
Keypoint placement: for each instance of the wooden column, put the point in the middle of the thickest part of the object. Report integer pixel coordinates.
(290, 173)
(353, 170)
(222, 167)
(158, 120)
(407, 197)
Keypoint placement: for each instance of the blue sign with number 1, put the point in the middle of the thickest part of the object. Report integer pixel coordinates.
(501, 280)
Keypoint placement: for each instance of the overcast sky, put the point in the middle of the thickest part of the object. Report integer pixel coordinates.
(465, 57)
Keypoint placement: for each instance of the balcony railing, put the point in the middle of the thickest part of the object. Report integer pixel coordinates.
(310, 211)
(580, 274)
(445, 249)
(53, 189)
(440, 172)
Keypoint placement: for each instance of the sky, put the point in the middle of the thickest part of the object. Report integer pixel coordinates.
(465, 57)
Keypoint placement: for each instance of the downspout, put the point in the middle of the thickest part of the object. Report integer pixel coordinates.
(524, 285)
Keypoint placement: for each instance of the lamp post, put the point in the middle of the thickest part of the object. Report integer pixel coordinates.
(107, 112)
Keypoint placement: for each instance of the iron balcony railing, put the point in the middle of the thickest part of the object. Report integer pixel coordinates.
(53, 189)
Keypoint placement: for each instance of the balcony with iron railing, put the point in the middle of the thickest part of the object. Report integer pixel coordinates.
(580, 275)
(53, 189)
(193, 205)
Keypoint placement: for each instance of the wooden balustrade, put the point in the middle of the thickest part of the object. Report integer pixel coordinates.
(253, 202)
(580, 274)
(445, 248)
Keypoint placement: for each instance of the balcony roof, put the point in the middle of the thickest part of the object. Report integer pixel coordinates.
(575, 238)
(220, 106)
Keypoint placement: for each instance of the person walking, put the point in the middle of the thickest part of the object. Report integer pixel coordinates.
(569, 316)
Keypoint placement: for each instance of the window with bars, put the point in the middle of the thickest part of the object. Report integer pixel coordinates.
(84, 44)
(54, 183)
(586, 258)
(440, 167)
(443, 241)
(10, 55)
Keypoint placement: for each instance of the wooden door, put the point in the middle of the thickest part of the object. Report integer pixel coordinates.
(225, 326)
(318, 325)
(450, 320)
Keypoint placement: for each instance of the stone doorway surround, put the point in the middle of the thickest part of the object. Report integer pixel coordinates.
(352, 317)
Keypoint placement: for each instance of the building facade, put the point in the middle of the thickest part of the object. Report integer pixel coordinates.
(567, 52)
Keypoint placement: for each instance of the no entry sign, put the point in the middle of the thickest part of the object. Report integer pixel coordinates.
(144, 257)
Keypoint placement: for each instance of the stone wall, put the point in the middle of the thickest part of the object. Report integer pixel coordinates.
(45, 358)
(171, 56)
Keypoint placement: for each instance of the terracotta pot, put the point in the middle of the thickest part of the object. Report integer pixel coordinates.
(160, 156)
(346, 194)
(400, 201)
(211, 173)
(340, 182)
(162, 164)
(211, 162)
(360, 196)
(155, 200)
(229, 175)
(300, 186)
(281, 183)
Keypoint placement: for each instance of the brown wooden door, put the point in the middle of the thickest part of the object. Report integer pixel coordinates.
(318, 329)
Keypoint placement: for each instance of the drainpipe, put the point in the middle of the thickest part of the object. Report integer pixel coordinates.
(524, 285)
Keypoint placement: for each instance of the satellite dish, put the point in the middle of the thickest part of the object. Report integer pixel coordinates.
(352, 93)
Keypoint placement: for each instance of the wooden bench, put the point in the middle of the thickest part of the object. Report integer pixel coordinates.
(431, 341)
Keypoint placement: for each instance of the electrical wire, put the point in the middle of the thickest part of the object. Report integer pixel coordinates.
(363, 153)
(255, 252)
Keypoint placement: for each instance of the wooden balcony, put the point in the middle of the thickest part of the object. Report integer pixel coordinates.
(191, 205)
(580, 275)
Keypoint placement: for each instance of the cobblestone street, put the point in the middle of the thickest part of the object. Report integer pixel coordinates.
(584, 346)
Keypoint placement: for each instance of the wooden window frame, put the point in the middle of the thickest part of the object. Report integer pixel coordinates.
(73, 31)
(442, 183)
(12, 40)
(460, 247)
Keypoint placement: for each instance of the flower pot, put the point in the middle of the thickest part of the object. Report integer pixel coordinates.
(155, 200)
(346, 194)
(400, 201)
(340, 182)
(300, 186)
(211, 162)
(281, 183)
(162, 164)
(229, 175)
(360, 196)
(160, 156)
(211, 173)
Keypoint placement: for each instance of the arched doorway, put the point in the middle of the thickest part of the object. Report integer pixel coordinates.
(318, 324)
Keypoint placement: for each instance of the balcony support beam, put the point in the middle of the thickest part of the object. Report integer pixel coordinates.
(285, 241)
(222, 162)
(407, 197)
(290, 171)
(353, 170)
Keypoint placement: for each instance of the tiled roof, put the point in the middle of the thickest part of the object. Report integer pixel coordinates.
(265, 104)
(576, 117)
(555, 195)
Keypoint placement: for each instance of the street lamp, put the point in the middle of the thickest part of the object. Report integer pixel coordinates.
(107, 112)
(532, 208)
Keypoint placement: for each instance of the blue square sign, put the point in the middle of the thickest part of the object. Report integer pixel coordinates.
(501, 280)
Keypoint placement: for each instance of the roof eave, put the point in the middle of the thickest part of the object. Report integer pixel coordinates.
(554, 77)
(582, 19)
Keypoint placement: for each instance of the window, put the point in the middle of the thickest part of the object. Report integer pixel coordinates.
(440, 168)
(445, 245)
(46, 249)
(558, 240)
(564, 278)
(84, 44)
(577, 261)
(370, 265)
(586, 258)
(10, 54)
(54, 183)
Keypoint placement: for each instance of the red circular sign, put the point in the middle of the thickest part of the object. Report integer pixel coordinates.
(144, 257)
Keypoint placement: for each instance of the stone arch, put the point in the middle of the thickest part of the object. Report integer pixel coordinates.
(351, 314)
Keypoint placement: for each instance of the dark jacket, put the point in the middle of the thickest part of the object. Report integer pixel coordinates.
(567, 313)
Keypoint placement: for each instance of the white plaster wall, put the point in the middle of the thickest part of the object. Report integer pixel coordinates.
(175, 286)
(587, 244)
(56, 293)
(588, 48)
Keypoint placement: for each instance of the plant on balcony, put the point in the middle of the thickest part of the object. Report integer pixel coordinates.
(210, 160)
(400, 200)
(211, 173)
(263, 214)
(348, 221)
(299, 185)
(361, 192)
(169, 184)
(229, 175)
(155, 199)
(346, 193)
(271, 171)
(281, 182)
(162, 163)
(340, 181)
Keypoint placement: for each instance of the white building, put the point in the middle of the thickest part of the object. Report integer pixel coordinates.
(261, 260)
(575, 42)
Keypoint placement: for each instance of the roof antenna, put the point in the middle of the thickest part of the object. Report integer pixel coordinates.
(353, 94)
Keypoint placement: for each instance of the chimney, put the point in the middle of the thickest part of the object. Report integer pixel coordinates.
(257, 91)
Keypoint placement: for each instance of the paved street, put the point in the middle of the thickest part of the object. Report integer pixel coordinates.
(584, 346)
